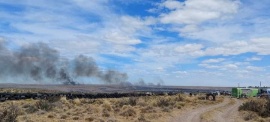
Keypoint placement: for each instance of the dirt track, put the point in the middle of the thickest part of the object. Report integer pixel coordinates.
(227, 111)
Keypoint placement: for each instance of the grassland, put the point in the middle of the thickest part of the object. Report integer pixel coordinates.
(134, 109)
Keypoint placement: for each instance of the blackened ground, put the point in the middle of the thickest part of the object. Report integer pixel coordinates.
(110, 88)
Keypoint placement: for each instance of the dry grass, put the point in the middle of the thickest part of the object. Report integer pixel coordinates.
(136, 109)
(9, 114)
(259, 106)
(256, 110)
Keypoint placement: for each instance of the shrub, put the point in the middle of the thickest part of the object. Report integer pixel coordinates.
(53, 99)
(166, 109)
(142, 103)
(179, 97)
(165, 102)
(89, 119)
(267, 109)
(63, 100)
(107, 106)
(133, 101)
(105, 113)
(98, 101)
(112, 120)
(9, 114)
(128, 111)
(44, 105)
(76, 101)
(148, 109)
(251, 106)
(121, 102)
(50, 116)
(201, 97)
(75, 118)
(63, 117)
(261, 107)
(250, 116)
(142, 118)
(31, 109)
(127, 101)
(179, 105)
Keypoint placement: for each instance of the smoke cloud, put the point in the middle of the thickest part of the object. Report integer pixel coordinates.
(40, 62)
(87, 67)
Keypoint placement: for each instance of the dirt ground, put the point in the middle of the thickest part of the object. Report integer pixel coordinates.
(226, 111)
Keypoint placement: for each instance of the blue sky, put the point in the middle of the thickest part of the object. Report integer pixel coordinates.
(192, 42)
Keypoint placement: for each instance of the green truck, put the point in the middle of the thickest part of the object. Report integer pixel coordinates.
(244, 92)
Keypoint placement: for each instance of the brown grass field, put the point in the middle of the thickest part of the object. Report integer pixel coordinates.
(175, 108)
(136, 109)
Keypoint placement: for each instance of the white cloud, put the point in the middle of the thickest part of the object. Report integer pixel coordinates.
(197, 11)
(222, 66)
(254, 68)
(230, 67)
(209, 20)
(120, 38)
(91, 29)
(124, 32)
(258, 45)
(172, 4)
(213, 60)
(180, 72)
(209, 66)
(217, 34)
(206, 28)
(190, 49)
(254, 59)
(186, 30)
(160, 69)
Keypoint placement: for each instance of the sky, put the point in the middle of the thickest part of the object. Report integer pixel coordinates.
(179, 42)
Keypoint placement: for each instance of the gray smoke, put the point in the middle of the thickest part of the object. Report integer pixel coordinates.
(41, 62)
(141, 82)
(38, 60)
(65, 77)
(112, 76)
(87, 67)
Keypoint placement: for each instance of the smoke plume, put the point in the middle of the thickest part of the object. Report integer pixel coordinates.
(40, 62)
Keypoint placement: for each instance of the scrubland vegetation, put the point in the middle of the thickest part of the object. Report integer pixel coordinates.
(255, 109)
(136, 109)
